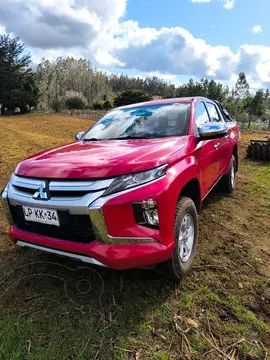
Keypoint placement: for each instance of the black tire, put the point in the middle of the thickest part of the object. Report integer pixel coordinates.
(227, 182)
(177, 267)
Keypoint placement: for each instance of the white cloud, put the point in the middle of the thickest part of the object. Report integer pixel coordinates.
(171, 51)
(228, 4)
(165, 76)
(2, 29)
(95, 30)
(200, 1)
(256, 29)
(55, 24)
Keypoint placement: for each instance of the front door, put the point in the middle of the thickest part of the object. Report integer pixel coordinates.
(208, 153)
(222, 144)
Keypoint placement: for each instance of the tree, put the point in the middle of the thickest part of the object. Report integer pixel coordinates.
(131, 97)
(210, 89)
(55, 78)
(17, 86)
(241, 87)
(255, 105)
(57, 104)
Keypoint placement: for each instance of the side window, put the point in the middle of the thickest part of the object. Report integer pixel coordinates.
(201, 115)
(213, 113)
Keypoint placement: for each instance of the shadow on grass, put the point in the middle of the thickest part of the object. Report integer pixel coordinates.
(68, 309)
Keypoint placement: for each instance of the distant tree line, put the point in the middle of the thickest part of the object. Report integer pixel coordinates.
(76, 84)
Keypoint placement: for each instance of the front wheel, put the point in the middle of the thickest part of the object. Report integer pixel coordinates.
(185, 238)
(227, 182)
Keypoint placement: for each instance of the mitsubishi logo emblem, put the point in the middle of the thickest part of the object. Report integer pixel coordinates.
(43, 191)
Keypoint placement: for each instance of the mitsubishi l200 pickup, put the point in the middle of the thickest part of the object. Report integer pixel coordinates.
(127, 193)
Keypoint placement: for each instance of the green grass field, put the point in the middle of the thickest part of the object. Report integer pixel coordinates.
(54, 308)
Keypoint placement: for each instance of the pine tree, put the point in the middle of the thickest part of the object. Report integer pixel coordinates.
(241, 87)
(17, 85)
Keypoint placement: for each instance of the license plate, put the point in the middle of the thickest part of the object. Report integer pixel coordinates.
(44, 216)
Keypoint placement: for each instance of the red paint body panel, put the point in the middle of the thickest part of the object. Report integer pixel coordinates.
(85, 160)
(187, 159)
(118, 257)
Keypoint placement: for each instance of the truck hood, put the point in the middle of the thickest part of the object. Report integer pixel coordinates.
(101, 159)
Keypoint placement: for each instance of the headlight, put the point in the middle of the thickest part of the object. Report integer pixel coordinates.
(128, 181)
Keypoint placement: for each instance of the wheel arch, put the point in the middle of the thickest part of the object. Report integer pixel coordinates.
(192, 190)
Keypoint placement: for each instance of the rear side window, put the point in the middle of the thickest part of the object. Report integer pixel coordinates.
(201, 115)
(213, 113)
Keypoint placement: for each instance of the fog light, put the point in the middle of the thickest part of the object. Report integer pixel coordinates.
(146, 213)
(152, 217)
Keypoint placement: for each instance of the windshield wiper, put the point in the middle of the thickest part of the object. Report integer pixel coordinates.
(130, 137)
(93, 139)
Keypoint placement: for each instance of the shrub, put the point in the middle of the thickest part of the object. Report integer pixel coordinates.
(107, 105)
(24, 109)
(131, 97)
(97, 106)
(75, 100)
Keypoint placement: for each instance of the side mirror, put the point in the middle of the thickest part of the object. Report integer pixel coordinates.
(212, 130)
(79, 135)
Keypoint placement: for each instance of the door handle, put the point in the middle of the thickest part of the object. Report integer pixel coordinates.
(226, 137)
(217, 145)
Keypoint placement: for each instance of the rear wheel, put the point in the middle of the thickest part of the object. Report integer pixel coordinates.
(185, 238)
(227, 182)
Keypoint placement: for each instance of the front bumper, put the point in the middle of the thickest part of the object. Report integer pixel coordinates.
(120, 243)
(118, 257)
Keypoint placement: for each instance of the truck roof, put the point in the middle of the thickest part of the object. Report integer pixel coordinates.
(165, 101)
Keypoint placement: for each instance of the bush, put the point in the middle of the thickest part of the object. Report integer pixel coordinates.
(57, 105)
(131, 97)
(97, 106)
(107, 105)
(24, 109)
(75, 100)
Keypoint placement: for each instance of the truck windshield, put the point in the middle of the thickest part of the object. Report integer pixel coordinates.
(152, 121)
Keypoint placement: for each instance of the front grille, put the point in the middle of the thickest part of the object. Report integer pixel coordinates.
(58, 189)
(54, 194)
(77, 228)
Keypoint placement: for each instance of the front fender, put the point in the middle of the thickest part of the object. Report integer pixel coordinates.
(180, 174)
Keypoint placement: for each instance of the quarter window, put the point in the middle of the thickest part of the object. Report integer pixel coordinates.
(213, 113)
(201, 115)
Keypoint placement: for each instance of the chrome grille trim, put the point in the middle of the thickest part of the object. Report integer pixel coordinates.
(27, 183)
(74, 205)
(80, 185)
(26, 187)
(54, 185)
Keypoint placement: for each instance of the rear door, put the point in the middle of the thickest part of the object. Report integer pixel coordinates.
(208, 153)
(222, 145)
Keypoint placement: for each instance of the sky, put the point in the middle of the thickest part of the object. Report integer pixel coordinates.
(172, 39)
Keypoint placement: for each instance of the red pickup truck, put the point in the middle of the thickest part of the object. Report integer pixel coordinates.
(128, 192)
